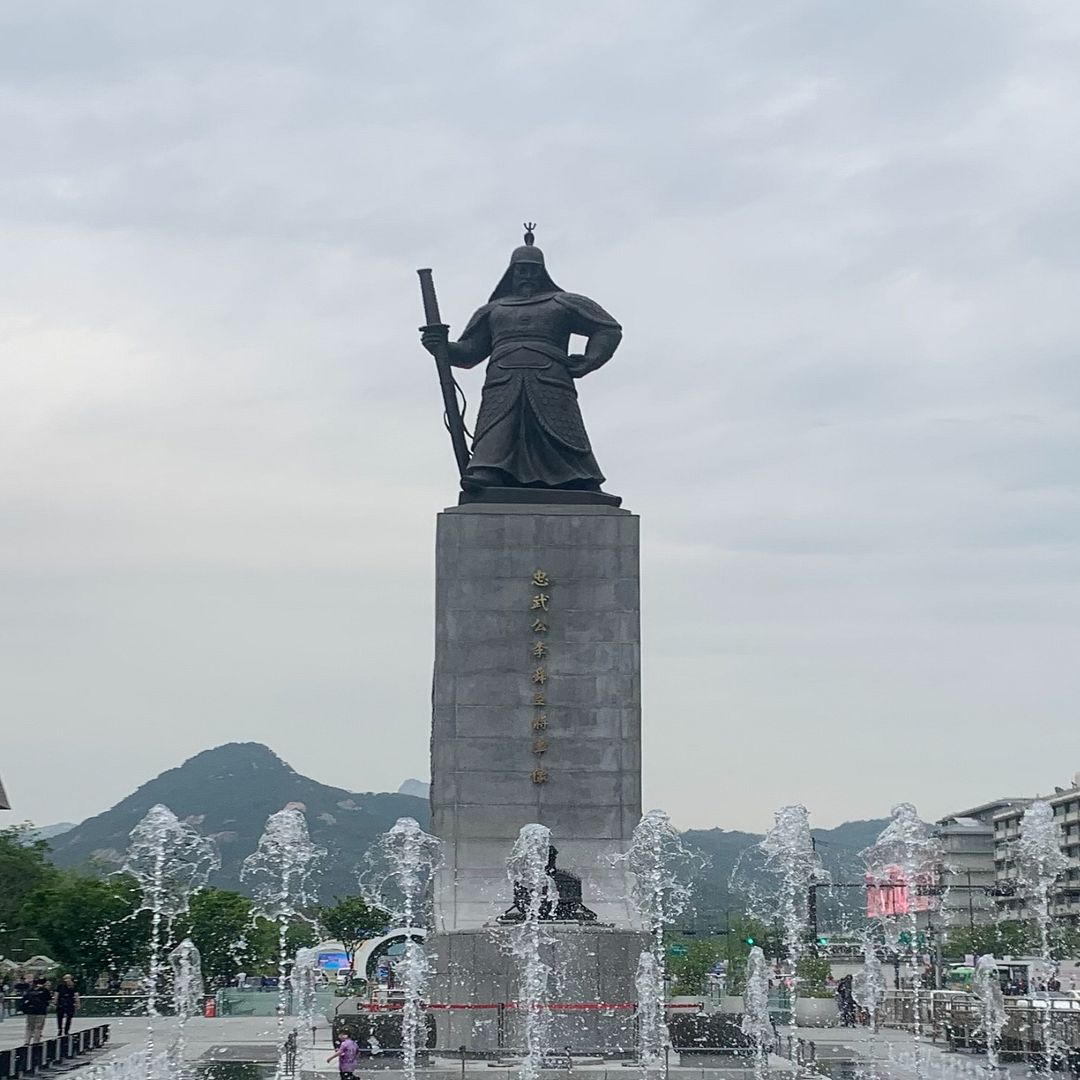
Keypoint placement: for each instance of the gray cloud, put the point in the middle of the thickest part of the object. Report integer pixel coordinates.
(840, 236)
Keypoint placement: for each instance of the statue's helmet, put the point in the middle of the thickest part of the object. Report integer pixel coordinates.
(527, 253)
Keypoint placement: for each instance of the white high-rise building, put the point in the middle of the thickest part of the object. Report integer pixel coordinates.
(1065, 902)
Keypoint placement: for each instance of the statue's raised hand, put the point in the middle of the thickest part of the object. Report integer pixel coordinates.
(434, 338)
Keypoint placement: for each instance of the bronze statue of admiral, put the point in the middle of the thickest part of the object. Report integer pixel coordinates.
(529, 433)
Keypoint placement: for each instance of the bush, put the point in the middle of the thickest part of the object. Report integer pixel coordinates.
(813, 973)
(385, 1027)
(703, 1032)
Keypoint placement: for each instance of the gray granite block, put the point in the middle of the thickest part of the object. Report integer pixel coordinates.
(484, 751)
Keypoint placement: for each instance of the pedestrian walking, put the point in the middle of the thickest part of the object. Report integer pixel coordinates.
(845, 1000)
(67, 1003)
(346, 1053)
(35, 1004)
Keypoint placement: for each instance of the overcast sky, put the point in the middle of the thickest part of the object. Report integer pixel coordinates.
(843, 242)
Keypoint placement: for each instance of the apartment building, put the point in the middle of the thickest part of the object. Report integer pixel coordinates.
(1065, 900)
(968, 873)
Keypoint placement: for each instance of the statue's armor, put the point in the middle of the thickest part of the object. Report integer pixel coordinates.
(529, 356)
(529, 333)
(529, 425)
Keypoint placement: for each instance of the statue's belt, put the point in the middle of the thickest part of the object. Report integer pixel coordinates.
(527, 353)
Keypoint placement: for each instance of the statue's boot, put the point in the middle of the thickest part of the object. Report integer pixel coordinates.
(479, 477)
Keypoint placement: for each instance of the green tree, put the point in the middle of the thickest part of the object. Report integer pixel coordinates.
(688, 971)
(89, 925)
(24, 868)
(352, 921)
(1066, 942)
(219, 923)
(813, 973)
(744, 934)
(231, 939)
(1001, 939)
(264, 940)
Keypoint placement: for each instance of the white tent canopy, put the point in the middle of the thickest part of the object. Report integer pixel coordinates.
(38, 963)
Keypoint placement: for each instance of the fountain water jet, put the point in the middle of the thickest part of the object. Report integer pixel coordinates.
(188, 989)
(660, 891)
(868, 986)
(992, 1018)
(905, 857)
(789, 853)
(401, 868)
(756, 1021)
(869, 991)
(304, 981)
(169, 861)
(652, 1032)
(1039, 862)
(280, 869)
(526, 868)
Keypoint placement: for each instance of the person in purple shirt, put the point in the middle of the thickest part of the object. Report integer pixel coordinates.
(346, 1053)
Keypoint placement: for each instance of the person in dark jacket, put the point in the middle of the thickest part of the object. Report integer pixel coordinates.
(67, 1001)
(845, 1000)
(35, 1004)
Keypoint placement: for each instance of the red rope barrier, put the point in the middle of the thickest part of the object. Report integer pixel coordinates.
(561, 1006)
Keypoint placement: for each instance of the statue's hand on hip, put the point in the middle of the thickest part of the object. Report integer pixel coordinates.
(578, 364)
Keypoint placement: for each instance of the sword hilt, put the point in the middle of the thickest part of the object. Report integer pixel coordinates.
(431, 301)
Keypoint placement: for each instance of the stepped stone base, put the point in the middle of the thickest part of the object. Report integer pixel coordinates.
(590, 966)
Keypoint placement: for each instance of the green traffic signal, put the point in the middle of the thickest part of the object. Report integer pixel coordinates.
(749, 941)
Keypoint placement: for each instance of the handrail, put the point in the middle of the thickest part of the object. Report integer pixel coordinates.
(26, 1060)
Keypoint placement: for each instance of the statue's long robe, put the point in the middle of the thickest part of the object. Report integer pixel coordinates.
(529, 426)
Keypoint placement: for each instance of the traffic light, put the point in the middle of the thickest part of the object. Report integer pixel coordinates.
(823, 941)
(750, 941)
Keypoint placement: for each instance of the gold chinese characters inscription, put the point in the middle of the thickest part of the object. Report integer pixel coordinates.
(539, 650)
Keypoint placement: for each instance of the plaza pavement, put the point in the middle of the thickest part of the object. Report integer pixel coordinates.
(892, 1053)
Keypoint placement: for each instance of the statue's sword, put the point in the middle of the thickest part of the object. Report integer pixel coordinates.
(452, 416)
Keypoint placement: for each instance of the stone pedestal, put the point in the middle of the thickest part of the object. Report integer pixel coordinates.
(536, 700)
(592, 993)
(536, 718)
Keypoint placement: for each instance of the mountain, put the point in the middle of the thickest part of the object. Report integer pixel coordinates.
(228, 793)
(49, 832)
(420, 788)
(721, 851)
